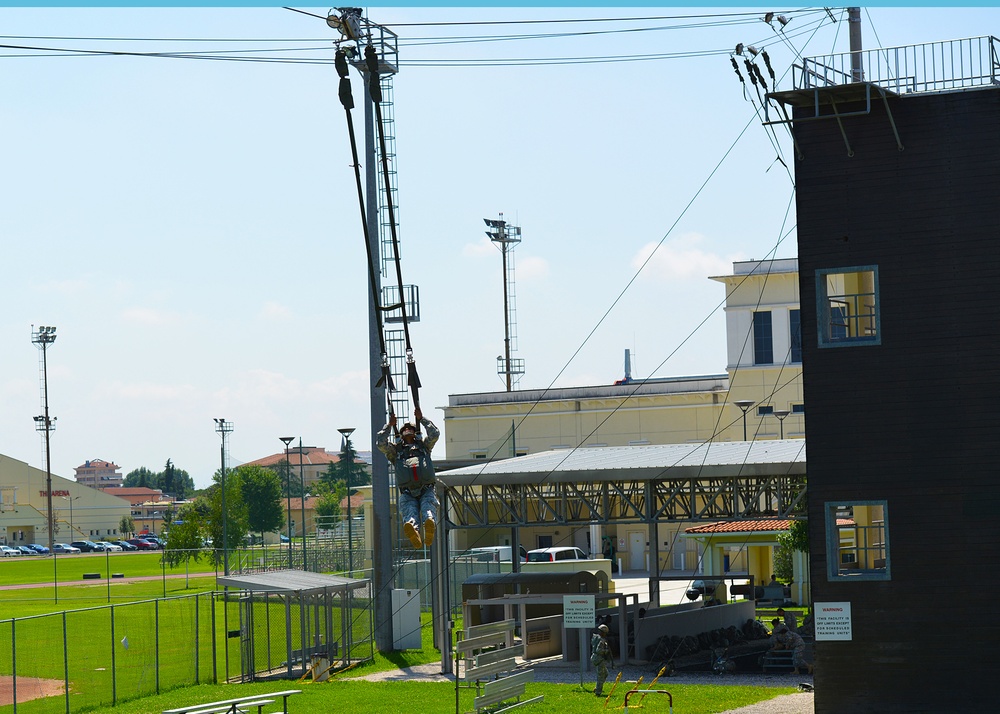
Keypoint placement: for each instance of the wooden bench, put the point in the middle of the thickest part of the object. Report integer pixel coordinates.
(238, 705)
(235, 708)
(507, 688)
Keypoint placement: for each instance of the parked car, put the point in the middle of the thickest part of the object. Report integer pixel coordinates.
(549, 555)
(8, 552)
(40, 549)
(25, 550)
(103, 545)
(125, 545)
(85, 546)
(65, 548)
(491, 554)
(142, 544)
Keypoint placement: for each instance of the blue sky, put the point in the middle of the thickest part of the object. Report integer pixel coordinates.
(191, 227)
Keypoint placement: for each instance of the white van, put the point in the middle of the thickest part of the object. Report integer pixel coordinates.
(493, 553)
(551, 555)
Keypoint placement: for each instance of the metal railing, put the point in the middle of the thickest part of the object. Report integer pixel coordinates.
(930, 67)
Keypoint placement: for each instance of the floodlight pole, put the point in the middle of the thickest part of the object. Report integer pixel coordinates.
(224, 427)
(302, 496)
(43, 337)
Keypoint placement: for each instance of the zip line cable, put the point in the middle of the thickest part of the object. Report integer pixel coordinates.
(228, 55)
(347, 100)
(375, 91)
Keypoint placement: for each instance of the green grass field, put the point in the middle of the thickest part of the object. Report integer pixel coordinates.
(69, 568)
(437, 697)
(161, 653)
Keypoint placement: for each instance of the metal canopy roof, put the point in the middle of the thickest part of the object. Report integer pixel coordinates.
(290, 581)
(655, 462)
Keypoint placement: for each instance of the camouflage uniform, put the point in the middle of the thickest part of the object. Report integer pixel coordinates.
(600, 658)
(792, 641)
(417, 502)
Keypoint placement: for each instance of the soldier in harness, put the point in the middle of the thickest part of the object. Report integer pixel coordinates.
(411, 457)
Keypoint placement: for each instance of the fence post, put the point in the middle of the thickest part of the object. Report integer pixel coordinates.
(156, 658)
(65, 660)
(13, 663)
(215, 642)
(225, 626)
(197, 639)
(114, 656)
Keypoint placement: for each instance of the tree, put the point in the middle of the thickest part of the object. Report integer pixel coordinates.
(288, 479)
(172, 480)
(236, 513)
(796, 538)
(186, 535)
(141, 478)
(328, 503)
(261, 491)
(167, 478)
(183, 484)
(126, 526)
(346, 468)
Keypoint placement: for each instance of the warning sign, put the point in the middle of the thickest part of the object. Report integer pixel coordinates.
(833, 621)
(579, 611)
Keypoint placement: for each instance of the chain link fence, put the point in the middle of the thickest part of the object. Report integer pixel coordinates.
(97, 657)
(66, 661)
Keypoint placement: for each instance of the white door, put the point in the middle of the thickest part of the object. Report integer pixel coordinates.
(636, 550)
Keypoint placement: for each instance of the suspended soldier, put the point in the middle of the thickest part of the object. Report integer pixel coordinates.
(411, 456)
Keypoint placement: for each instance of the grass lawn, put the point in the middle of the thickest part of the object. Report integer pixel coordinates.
(27, 602)
(425, 697)
(26, 570)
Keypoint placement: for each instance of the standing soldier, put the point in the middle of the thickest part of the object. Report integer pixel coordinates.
(411, 457)
(600, 656)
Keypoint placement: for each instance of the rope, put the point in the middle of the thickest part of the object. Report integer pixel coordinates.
(347, 99)
(375, 89)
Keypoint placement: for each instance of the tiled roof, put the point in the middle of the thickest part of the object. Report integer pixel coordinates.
(762, 526)
(311, 502)
(122, 491)
(772, 525)
(311, 456)
(97, 464)
(357, 501)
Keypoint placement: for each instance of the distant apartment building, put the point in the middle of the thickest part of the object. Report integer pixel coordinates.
(98, 473)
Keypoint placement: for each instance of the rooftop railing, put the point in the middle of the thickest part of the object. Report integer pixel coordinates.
(931, 67)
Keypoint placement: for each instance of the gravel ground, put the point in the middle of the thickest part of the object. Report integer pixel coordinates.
(556, 671)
